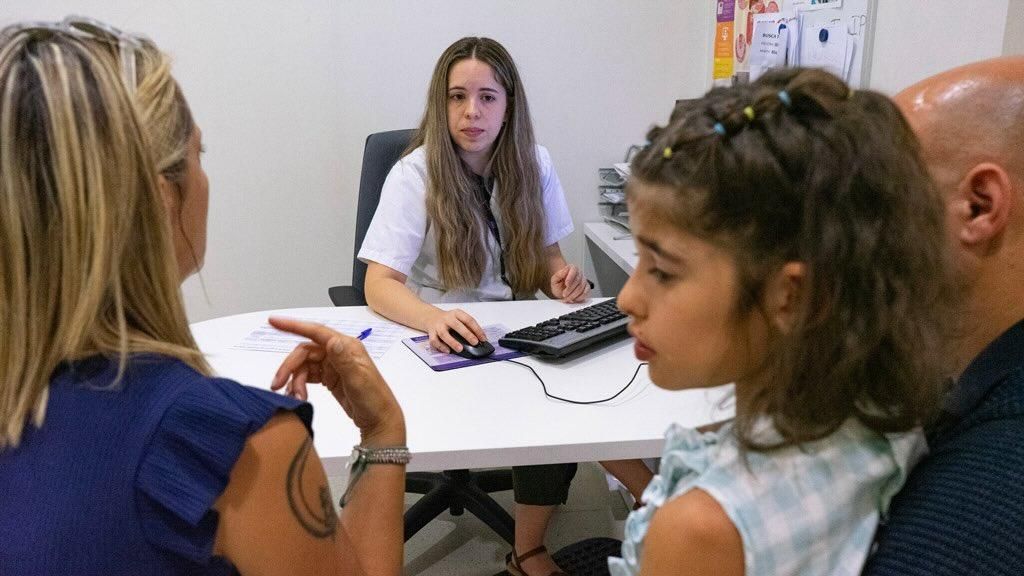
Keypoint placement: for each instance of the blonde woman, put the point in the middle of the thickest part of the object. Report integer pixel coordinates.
(119, 453)
(474, 211)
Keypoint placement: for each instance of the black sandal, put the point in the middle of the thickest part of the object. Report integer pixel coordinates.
(513, 563)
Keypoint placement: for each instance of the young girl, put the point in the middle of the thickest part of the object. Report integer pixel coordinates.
(474, 211)
(789, 241)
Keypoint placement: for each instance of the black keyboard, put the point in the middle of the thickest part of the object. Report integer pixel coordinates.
(570, 332)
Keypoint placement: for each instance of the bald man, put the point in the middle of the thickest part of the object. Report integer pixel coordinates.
(962, 509)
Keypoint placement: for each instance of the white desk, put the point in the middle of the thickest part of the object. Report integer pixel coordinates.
(610, 256)
(490, 415)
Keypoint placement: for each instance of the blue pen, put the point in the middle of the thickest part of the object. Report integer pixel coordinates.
(364, 334)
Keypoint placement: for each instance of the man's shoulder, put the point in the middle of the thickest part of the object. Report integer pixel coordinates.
(1003, 403)
(988, 433)
(962, 506)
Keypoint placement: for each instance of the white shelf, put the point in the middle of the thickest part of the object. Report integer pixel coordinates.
(614, 241)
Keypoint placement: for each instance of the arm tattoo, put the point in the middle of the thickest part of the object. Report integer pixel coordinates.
(319, 519)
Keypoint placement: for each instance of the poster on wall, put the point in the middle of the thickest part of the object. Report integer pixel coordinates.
(810, 5)
(835, 35)
(776, 42)
(723, 67)
(744, 31)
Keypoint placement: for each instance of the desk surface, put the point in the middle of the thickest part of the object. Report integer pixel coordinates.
(614, 241)
(493, 414)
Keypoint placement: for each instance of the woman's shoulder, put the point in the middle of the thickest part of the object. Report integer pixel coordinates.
(187, 463)
(174, 395)
(543, 156)
(409, 172)
(416, 159)
(220, 398)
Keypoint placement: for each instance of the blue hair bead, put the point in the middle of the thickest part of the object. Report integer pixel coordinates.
(785, 99)
(720, 129)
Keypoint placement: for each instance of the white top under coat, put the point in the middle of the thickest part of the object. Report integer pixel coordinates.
(401, 236)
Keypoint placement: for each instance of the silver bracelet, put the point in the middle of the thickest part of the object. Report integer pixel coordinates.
(362, 457)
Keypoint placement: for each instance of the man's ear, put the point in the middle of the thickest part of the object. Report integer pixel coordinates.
(784, 295)
(982, 206)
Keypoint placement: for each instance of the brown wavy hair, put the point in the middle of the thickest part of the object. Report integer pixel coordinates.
(452, 203)
(798, 167)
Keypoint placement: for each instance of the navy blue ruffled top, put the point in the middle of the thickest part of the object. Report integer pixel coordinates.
(122, 479)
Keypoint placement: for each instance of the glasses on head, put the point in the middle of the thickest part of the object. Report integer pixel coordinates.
(89, 28)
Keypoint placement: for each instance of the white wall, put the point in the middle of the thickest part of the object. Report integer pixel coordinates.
(286, 93)
(917, 38)
(1013, 42)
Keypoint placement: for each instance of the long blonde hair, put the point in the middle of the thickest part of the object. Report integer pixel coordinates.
(452, 202)
(86, 263)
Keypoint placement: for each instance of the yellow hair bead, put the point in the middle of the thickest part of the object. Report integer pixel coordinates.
(749, 113)
(667, 153)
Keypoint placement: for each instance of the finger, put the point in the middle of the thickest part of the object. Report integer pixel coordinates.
(576, 293)
(475, 332)
(572, 275)
(345, 354)
(473, 326)
(436, 344)
(448, 340)
(318, 333)
(559, 276)
(297, 387)
(291, 363)
(315, 373)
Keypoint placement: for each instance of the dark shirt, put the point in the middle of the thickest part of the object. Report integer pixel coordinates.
(962, 509)
(121, 479)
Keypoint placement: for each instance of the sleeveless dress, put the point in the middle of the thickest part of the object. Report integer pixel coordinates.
(810, 510)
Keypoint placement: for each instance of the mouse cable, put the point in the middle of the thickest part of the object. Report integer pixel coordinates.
(583, 402)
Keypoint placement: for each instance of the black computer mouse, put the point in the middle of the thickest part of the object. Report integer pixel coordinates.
(481, 350)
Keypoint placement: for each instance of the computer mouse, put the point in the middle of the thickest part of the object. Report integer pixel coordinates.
(481, 350)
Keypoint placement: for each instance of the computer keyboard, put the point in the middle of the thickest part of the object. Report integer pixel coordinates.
(569, 332)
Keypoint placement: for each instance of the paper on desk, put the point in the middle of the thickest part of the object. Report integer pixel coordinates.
(266, 338)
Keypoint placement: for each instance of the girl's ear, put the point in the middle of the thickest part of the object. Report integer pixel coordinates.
(784, 295)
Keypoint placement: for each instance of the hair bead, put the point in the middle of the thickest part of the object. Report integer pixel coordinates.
(720, 129)
(667, 153)
(787, 102)
(749, 113)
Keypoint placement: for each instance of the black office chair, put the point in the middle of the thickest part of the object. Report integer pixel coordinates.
(381, 152)
(452, 490)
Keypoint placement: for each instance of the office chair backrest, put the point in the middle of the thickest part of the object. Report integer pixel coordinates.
(382, 151)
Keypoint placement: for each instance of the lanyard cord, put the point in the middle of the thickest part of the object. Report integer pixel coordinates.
(484, 186)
